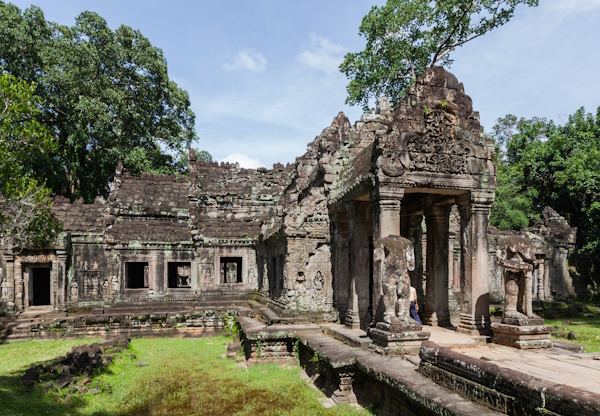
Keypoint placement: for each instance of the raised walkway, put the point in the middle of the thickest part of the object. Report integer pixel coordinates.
(456, 375)
(555, 365)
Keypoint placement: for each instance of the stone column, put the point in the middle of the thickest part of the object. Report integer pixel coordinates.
(547, 291)
(474, 211)
(386, 202)
(565, 277)
(527, 305)
(540, 279)
(436, 312)
(358, 296)
(62, 278)
(534, 280)
(341, 262)
(415, 235)
(19, 287)
(10, 278)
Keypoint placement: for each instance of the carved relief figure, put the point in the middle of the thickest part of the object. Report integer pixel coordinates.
(105, 293)
(318, 282)
(115, 286)
(397, 255)
(4, 286)
(265, 277)
(74, 291)
(251, 276)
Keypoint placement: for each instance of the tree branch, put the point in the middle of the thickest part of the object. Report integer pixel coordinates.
(456, 26)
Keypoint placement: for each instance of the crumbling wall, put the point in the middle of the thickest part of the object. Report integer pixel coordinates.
(552, 241)
(305, 281)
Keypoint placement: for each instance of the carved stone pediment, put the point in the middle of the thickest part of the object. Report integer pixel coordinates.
(436, 149)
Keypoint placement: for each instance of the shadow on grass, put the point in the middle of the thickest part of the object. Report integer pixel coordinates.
(44, 397)
(17, 399)
(184, 391)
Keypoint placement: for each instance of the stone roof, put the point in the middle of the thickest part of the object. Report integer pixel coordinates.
(149, 208)
(78, 217)
(227, 201)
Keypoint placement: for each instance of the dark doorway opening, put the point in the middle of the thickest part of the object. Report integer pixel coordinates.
(179, 275)
(231, 270)
(136, 275)
(40, 277)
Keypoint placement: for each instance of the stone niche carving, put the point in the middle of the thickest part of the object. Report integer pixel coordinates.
(520, 327)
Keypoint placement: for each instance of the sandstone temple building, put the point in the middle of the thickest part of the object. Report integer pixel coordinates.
(304, 237)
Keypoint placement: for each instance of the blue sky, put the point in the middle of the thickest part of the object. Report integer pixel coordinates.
(263, 80)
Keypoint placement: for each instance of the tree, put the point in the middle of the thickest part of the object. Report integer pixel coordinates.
(25, 215)
(558, 166)
(404, 37)
(104, 95)
(516, 205)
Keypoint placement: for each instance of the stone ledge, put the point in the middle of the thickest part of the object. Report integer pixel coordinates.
(526, 394)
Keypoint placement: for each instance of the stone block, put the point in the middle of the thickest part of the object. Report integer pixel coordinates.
(397, 343)
(523, 337)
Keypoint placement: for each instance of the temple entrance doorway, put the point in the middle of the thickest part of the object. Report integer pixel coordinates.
(426, 222)
(39, 286)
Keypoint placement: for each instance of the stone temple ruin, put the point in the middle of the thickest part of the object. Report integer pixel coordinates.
(305, 236)
(399, 199)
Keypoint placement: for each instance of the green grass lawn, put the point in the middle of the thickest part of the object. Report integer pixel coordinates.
(183, 376)
(586, 328)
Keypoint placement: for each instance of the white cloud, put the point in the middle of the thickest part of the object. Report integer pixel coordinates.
(573, 6)
(323, 55)
(247, 59)
(245, 161)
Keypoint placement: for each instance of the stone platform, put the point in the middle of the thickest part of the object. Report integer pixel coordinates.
(578, 370)
(523, 337)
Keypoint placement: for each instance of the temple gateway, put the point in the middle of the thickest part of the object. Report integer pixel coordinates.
(328, 238)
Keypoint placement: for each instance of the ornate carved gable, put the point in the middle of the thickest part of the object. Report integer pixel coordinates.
(435, 136)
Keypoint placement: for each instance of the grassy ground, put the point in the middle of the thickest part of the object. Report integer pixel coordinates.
(183, 377)
(587, 330)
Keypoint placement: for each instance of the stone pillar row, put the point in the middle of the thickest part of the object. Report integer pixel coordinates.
(436, 311)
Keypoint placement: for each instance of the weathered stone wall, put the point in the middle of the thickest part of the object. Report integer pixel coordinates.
(552, 241)
(302, 234)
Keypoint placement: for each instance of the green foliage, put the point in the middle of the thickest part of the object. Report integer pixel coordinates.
(25, 215)
(514, 207)
(549, 165)
(104, 95)
(403, 37)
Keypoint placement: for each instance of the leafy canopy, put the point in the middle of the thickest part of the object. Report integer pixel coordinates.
(25, 215)
(558, 166)
(404, 37)
(104, 95)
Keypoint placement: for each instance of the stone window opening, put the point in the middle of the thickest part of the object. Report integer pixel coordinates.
(136, 275)
(231, 270)
(179, 275)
